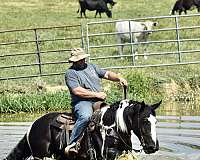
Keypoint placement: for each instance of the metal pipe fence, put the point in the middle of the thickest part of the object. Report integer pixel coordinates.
(174, 41)
(24, 53)
(44, 51)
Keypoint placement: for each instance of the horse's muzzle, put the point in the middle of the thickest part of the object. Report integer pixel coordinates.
(150, 149)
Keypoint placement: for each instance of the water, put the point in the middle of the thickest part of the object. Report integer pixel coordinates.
(10, 134)
(178, 132)
(179, 140)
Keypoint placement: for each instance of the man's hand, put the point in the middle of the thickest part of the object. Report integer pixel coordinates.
(123, 82)
(101, 95)
(115, 77)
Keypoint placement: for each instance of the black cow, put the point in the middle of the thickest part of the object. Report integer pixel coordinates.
(99, 5)
(184, 5)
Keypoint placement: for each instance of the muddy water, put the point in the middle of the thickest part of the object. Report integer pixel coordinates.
(178, 131)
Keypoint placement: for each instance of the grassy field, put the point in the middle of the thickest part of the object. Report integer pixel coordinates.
(177, 83)
(17, 14)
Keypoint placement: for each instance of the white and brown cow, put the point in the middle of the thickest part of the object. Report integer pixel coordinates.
(140, 32)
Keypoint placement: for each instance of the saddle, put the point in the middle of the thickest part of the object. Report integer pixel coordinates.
(65, 122)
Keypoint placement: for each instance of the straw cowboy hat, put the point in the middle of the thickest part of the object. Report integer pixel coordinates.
(77, 54)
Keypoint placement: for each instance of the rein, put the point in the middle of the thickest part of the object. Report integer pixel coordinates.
(123, 140)
(142, 138)
(125, 91)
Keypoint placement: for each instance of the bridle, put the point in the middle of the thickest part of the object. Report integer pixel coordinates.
(118, 136)
(142, 137)
(114, 132)
(138, 120)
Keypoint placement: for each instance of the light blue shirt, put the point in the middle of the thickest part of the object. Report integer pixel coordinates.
(88, 78)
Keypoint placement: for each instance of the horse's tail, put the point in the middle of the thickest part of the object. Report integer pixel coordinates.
(21, 150)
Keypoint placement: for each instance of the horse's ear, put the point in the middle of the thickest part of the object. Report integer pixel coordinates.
(142, 106)
(156, 105)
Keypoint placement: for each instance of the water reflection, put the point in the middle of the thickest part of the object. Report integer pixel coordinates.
(178, 131)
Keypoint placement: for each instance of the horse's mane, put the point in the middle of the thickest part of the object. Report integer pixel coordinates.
(119, 111)
(109, 116)
(115, 106)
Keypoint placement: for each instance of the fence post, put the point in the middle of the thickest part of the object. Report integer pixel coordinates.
(38, 51)
(82, 37)
(131, 40)
(87, 41)
(178, 38)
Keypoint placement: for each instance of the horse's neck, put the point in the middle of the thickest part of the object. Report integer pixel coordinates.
(108, 117)
(129, 119)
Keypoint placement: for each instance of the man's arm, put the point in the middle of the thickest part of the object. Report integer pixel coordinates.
(84, 93)
(115, 77)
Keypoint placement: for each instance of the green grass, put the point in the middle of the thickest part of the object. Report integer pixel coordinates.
(12, 103)
(144, 83)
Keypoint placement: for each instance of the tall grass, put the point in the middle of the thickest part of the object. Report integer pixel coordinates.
(12, 103)
(140, 88)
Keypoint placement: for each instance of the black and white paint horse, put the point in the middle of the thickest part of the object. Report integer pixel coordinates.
(108, 134)
(125, 119)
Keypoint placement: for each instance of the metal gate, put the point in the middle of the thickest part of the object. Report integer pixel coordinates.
(175, 40)
(44, 51)
(36, 52)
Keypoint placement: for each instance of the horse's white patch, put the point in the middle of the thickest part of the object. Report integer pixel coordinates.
(27, 136)
(119, 115)
(103, 111)
(153, 121)
(136, 144)
(102, 130)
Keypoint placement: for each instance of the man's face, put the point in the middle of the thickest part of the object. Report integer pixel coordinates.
(80, 64)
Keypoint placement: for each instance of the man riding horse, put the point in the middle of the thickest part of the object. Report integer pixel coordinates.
(83, 81)
(104, 135)
(108, 133)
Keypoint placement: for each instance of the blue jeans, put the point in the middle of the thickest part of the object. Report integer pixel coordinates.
(82, 111)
